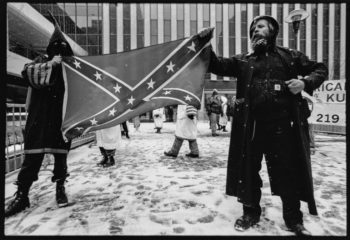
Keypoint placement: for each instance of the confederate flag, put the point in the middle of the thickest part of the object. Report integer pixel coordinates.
(106, 90)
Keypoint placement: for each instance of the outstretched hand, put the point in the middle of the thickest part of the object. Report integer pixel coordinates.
(295, 85)
(57, 59)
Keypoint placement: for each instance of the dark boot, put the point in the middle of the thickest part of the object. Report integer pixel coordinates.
(104, 159)
(20, 203)
(246, 221)
(158, 130)
(299, 229)
(251, 216)
(170, 154)
(127, 135)
(224, 129)
(61, 197)
(192, 155)
(110, 162)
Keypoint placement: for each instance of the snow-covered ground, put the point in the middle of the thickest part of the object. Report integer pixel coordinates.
(147, 193)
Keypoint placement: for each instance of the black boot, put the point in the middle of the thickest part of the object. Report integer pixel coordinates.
(61, 197)
(20, 203)
(246, 221)
(224, 129)
(298, 229)
(158, 130)
(104, 159)
(127, 135)
(110, 162)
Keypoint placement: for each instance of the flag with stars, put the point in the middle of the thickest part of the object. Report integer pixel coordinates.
(106, 90)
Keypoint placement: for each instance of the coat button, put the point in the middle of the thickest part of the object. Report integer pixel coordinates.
(246, 105)
(240, 181)
(244, 125)
(248, 85)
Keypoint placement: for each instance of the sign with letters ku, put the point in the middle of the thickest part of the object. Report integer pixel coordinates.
(329, 108)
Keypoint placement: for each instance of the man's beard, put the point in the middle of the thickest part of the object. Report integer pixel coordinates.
(260, 44)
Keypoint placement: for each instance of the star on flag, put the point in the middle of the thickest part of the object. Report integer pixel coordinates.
(117, 88)
(170, 67)
(192, 47)
(77, 64)
(112, 112)
(98, 76)
(93, 122)
(150, 84)
(131, 100)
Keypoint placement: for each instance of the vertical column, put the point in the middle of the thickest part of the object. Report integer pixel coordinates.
(262, 9)
(105, 29)
(274, 10)
(173, 22)
(297, 6)
(320, 32)
(147, 29)
(308, 30)
(285, 25)
(250, 13)
(343, 40)
(238, 28)
(160, 23)
(213, 24)
(120, 28)
(133, 26)
(225, 31)
(199, 16)
(187, 20)
(331, 41)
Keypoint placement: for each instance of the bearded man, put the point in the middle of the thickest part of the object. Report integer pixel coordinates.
(270, 119)
(43, 127)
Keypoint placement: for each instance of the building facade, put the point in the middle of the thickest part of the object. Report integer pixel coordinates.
(102, 28)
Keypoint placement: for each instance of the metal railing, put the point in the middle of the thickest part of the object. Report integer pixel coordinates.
(16, 117)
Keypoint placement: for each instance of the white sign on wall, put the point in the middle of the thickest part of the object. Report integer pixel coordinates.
(329, 108)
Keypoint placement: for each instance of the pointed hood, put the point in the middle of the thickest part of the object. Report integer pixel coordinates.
(55, 44)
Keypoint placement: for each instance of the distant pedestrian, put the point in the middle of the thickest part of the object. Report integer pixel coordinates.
(137, 123)
(107, 140)
(223, 119)
(214, 109)
(186, 129)
(159, 118)
(125, 129)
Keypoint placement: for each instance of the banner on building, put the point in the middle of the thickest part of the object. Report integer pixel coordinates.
(106, 90)
(329, 107)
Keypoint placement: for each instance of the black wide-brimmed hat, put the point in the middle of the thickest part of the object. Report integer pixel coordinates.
(269, 19)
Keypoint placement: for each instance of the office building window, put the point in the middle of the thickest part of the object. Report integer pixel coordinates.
(140, 8)
(206, 15)
(268, 10)
(244, 30)
(180, 20)
(302, 30)
(231, 29)
(154, 23)
(193, 19)
(113, 27)
(325, 34)
(313, 31)
(337, 42)
(167, 22)
(126, 26)
(280, 21)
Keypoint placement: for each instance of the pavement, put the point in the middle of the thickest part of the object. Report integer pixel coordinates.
(147, 193)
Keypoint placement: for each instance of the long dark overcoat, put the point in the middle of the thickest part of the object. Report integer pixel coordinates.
(239, 166)
(42, 132)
